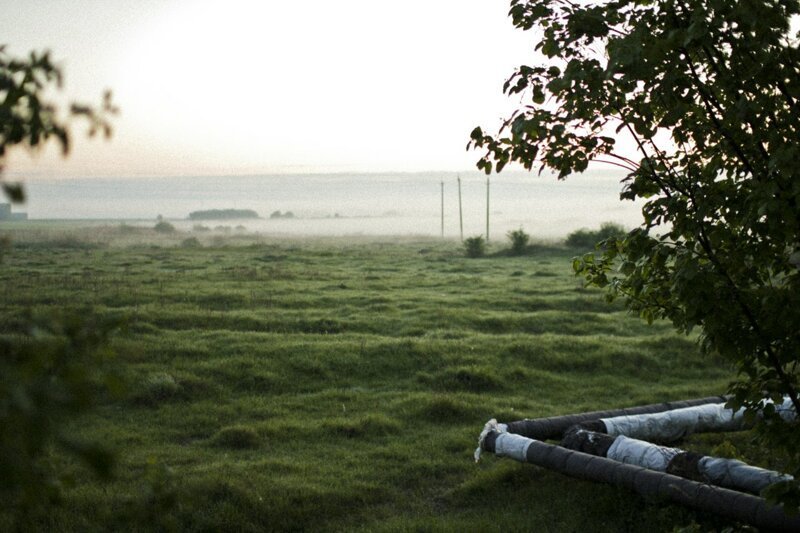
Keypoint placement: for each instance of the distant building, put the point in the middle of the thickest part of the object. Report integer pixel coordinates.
(6, 214)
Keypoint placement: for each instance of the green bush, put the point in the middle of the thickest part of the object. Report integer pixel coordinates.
(191, 242)
(586, 238)
(475, 246)
(519, 241)
(162, 226)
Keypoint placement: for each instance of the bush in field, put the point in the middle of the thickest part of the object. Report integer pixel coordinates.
(519, 240)
(475, 246)
(162, 226)
(191, 242)
(585, 238)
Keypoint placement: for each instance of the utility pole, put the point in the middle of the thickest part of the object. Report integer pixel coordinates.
(443, 209)
(460, 212)
(487, 209)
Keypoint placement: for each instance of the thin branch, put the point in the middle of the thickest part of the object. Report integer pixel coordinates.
(620, 165)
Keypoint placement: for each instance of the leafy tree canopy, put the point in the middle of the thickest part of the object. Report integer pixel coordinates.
(709, 90)
(222, 214)
(51, 365)
(28, 120)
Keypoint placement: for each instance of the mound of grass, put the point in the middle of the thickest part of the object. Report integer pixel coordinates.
(237, 438)
(445, 409)
(463, 378)
(377, 425)
(155, 389)
(371, 367)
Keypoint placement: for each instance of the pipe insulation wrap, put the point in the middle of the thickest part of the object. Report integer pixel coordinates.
(727, 503)
(513, 446)
(736, 474)
(491, 427)
(640, 453)
(670, 426)
(554, 427)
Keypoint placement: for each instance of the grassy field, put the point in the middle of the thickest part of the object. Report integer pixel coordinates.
(341, 384)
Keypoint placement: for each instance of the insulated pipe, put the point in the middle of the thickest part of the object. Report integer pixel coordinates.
(671, 426)
(555, 426)
(729, 504)
(728, 473)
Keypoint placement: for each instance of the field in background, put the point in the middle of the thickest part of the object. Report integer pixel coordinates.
(340, 384)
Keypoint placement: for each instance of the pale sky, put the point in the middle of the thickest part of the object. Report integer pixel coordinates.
(211, 87)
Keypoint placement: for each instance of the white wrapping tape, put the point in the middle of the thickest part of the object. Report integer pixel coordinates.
(674, 425)
(491, 425)
(513, 446)
(738, 475)
(640, 453)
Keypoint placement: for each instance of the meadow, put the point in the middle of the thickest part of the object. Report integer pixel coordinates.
(340, 384)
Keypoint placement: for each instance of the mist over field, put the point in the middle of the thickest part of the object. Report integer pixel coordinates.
(345, 204)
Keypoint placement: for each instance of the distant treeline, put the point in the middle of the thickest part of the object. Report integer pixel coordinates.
(216, 214)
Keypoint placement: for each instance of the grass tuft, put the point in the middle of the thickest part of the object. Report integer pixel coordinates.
(237, 438)
(157, 388)
(377, 425)
(463, 378)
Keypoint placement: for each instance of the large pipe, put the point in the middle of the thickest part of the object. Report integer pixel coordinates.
(554, 427)
(728, 473)
(726, 503)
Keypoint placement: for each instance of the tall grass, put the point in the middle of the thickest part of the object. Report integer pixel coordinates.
(340, 385)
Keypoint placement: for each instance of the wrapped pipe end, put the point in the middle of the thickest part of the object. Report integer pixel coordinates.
(488, 436)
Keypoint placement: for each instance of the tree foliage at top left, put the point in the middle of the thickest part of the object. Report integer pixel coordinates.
(52, 366)
(28, 119)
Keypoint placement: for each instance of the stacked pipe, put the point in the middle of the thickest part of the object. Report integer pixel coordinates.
(605, 446)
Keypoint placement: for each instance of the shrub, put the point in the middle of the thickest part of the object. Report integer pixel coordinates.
(125, 229)
(585, 238)
(162, 226)
(475, 246)
(519, 240)
(191, 242)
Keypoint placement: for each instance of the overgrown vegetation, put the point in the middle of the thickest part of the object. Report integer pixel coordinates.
(587, 239)
(162, 226)
(51, 367)
(340, 384)
(519, 241)
(709, 92)
(222, 214)
(475, 246)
